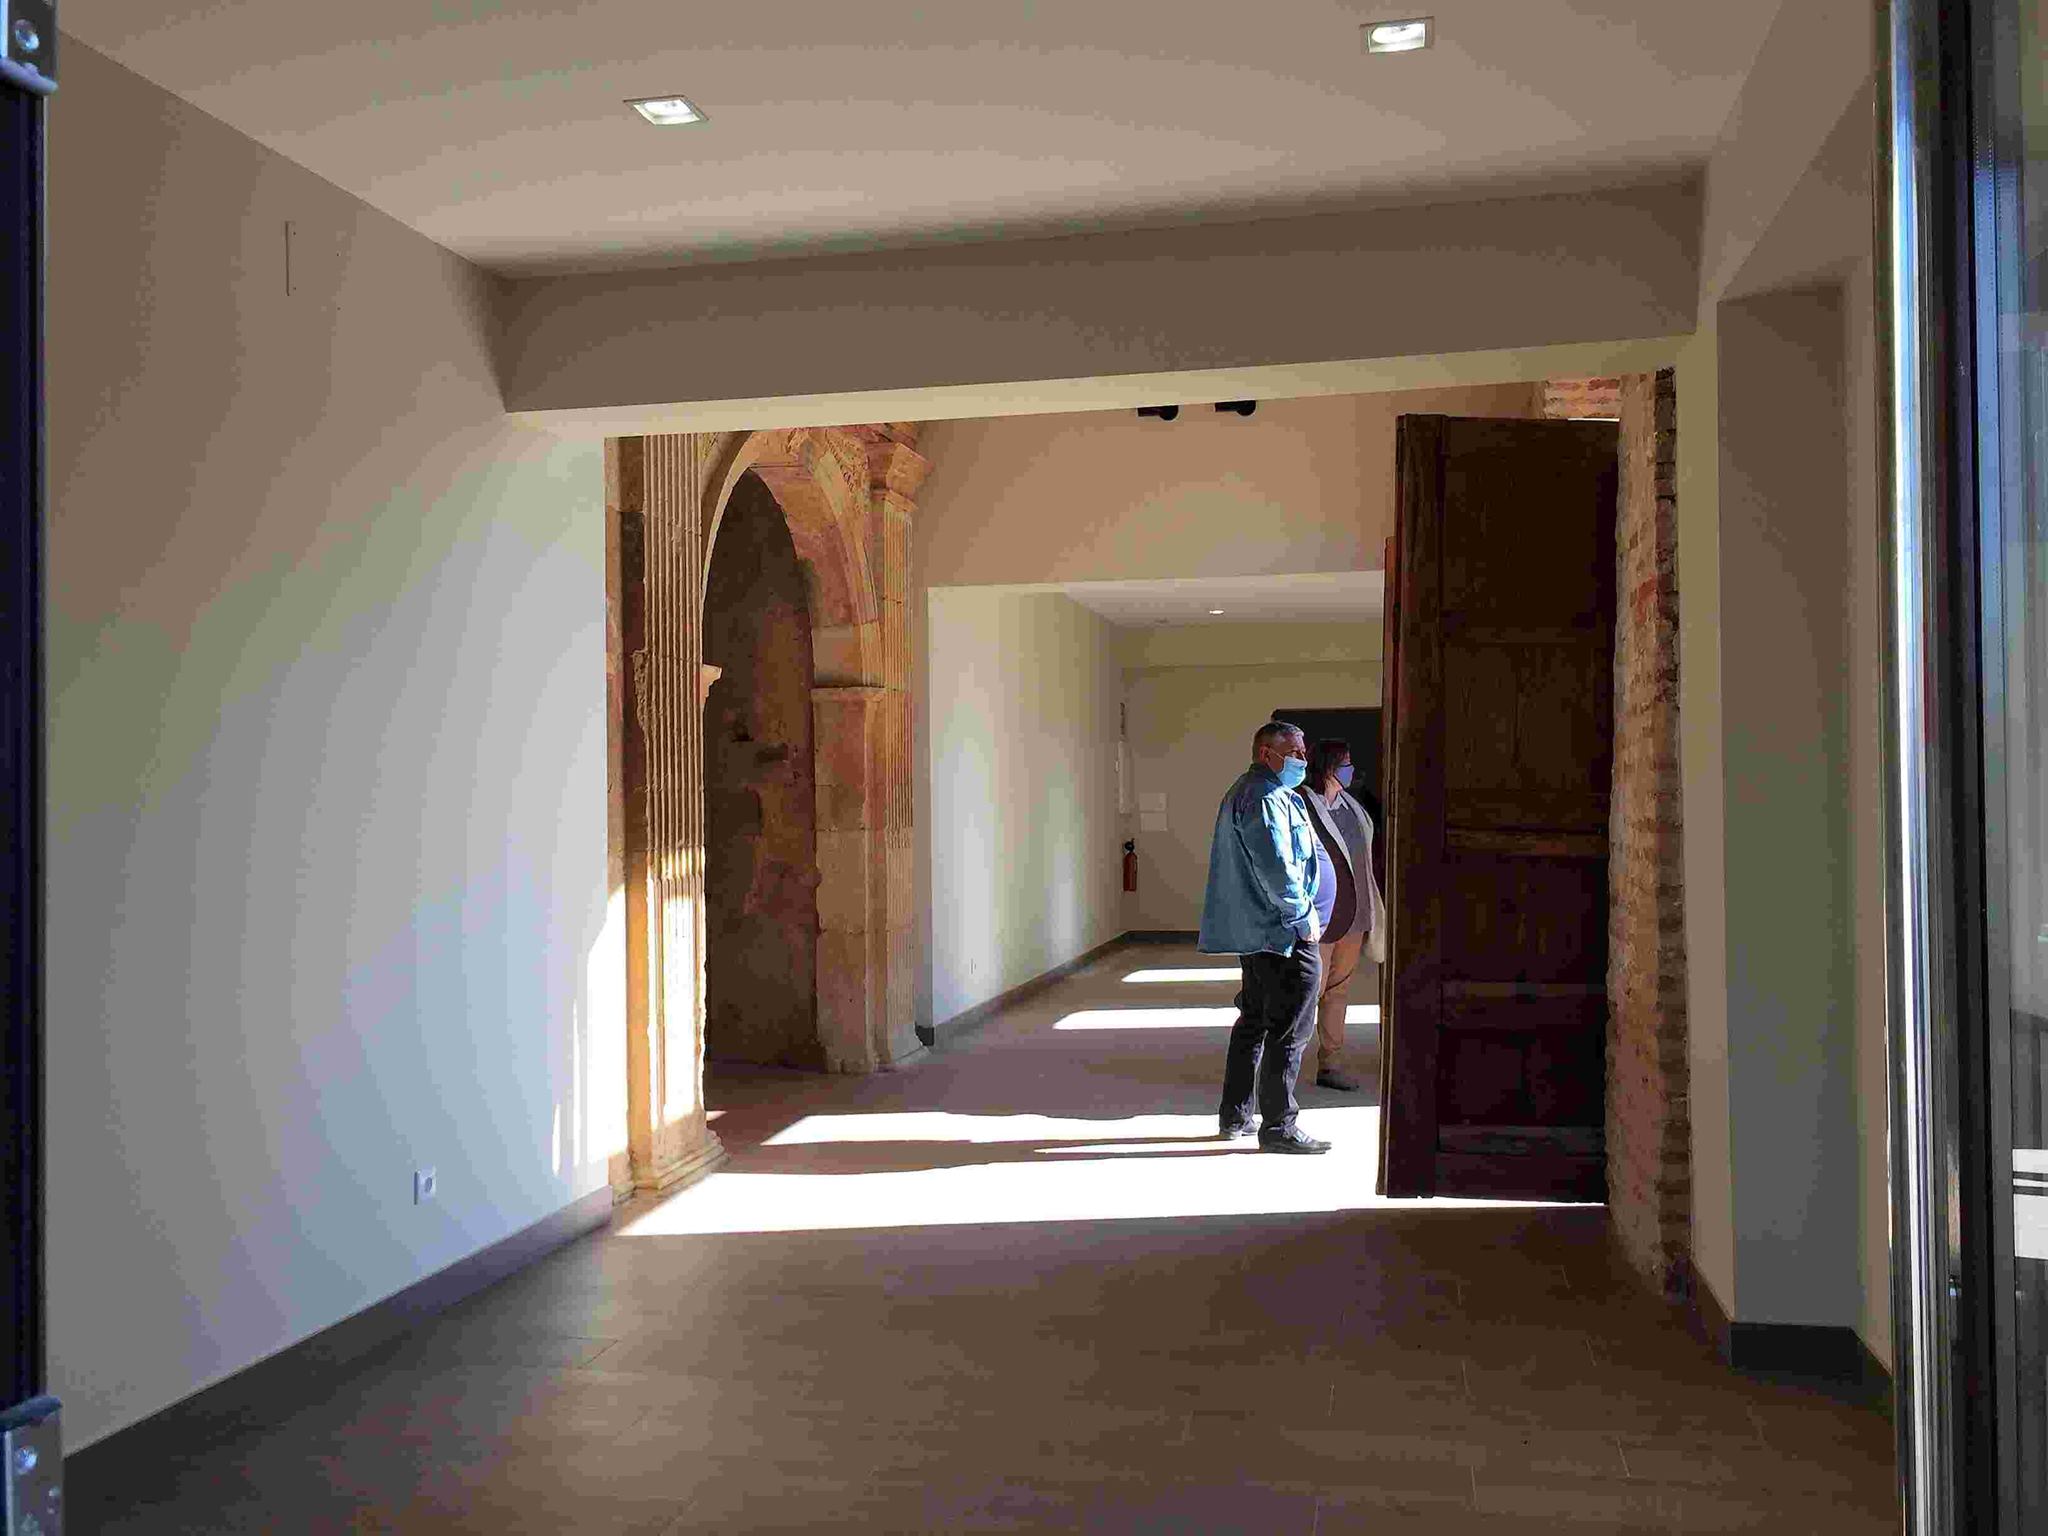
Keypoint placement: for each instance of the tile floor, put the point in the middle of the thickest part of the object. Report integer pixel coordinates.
(1021, 1286)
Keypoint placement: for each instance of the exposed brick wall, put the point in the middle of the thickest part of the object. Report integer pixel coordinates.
(1582, 397)
(1649, 1174)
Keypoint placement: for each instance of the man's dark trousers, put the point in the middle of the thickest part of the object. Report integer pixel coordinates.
(1276, 1016)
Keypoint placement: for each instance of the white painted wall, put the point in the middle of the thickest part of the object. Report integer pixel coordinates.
(1705, 796)
(1819, 56)
(1026, 846)
(327, 892)
(1193, 696)
(1787, 502)
(1867, 871)
(1791, 979)
(1393, 282)
(1299, 486)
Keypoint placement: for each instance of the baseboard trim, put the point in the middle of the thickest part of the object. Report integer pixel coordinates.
(971, 1018)
(1823, 1356)
(1161, 936)
(259, 1394)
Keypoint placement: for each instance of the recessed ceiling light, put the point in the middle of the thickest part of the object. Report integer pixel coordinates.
(1400, 36)
(1215, 610)
(667, 111)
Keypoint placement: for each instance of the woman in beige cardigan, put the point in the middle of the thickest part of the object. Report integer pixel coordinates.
(1359, 921)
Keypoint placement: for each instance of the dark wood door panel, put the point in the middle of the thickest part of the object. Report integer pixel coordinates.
(1565, 1076)
(1482, 1079)
(1495, 1077)
(1522, 1140)
(1524, 1008)
(1528, 529)
(1530, 810)
(1526, 843)
(1564, 717)
(1530, 1176)
(1528, 717)
(1499, 723)
(1524, 919)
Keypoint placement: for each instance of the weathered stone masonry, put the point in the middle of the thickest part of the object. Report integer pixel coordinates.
(848, 495)
(760, 799)
(1649, 1175)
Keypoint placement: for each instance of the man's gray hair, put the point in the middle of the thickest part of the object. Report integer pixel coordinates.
(1274, 732)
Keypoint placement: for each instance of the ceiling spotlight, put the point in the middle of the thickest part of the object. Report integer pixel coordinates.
(1213, 612)
(1237, 407)
(666, 111)
(1163, 412)
(1400, 36)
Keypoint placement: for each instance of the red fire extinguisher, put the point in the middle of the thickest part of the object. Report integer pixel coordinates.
(1130, 866)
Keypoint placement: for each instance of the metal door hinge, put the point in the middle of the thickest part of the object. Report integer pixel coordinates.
(33, 1472)
(28, 45)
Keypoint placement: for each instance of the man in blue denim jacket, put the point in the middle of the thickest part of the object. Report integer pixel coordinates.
(1261, 907)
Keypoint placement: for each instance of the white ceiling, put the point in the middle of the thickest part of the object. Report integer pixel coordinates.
(1340, 597)
(496, 126)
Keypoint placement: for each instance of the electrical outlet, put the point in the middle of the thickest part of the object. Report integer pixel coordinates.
(423, 1186)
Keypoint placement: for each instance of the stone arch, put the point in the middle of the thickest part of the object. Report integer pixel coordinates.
(820, 478)
(848, 495)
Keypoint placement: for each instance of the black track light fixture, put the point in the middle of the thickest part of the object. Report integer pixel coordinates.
(1163, 412)
(1238, 407)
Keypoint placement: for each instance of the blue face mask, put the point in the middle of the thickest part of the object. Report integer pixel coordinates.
(1344, 775)
(1292, 771)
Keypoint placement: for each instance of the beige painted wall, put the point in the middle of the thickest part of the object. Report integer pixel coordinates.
(327, 896)
(1867, 872)
(1251, 644)
(1759, 195)
(1386, 283)
(1190, 731)
(1705, 855)
(1791, 979)
(1027, 846)
(1788, 202)
(1301, 485)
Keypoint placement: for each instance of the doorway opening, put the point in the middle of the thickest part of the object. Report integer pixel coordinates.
(760, 797)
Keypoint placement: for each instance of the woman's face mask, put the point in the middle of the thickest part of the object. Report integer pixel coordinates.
(1344, 775)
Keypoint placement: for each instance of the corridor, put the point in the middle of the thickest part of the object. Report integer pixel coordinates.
(1019, 1285)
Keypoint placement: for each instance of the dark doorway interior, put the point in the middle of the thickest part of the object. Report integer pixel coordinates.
(760, 801)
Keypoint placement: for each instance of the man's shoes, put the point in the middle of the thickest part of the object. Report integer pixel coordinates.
(1237, 1132)
(1330, 1077)
(1294, 1139)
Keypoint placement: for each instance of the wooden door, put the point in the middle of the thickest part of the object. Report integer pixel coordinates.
(1383, 840)
(1500, 728)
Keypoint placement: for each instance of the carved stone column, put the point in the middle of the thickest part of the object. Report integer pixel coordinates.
(852, 991)
(896, 471)
(659, 491)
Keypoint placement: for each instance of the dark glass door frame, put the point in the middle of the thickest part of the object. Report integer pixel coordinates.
(29, 1473)
(1949, 234)
(1933, 781)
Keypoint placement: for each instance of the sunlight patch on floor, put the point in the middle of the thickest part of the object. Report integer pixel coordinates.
(943, 1126)
(1151, 1018)
(1041, 1169)
(1185, 973)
